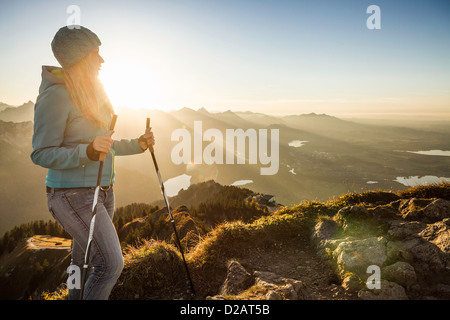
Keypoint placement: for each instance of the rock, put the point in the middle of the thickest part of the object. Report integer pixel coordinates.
(426, 210)
(383, 212)
(388, 291)
(352, 283)
(354, 212)
(331, 245)
(400, 272)
(439, 209)
(442, 290)
(359, 222)
(355, 256)
(409, 239)
(267, 286)
(427, 257)
(402, 230)
(279, 287)
(273, 295)
(395, 252)
(438, 234)
(238, 279)
(323, 231)
(412, 204)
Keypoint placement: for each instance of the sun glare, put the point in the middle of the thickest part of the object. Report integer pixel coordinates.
(131, 84)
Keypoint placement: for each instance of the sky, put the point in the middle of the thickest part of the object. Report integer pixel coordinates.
(270, 56)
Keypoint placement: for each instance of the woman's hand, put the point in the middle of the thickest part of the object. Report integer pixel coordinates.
(102, 144)
(146, 140)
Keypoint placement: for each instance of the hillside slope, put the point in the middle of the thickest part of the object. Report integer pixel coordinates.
(311, 251)
(37, 264)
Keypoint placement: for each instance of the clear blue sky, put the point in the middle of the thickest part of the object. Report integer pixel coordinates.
(272, 56)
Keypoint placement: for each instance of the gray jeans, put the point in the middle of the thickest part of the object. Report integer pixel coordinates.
(73, 210)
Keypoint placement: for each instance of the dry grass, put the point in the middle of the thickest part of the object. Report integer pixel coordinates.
(152, 270)
(437, 190)
(60, 294)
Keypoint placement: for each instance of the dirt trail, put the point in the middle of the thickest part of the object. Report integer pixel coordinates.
(39, 242)
(298, 260)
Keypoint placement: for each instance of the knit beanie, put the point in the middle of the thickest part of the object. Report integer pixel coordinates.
(71, 45)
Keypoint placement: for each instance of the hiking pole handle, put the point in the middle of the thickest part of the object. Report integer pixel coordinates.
(102, 156)
(147, 130)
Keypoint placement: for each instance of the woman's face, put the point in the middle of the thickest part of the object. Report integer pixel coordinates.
(97, 60)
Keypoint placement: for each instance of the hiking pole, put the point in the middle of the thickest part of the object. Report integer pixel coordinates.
(169, 211)
(102, 158)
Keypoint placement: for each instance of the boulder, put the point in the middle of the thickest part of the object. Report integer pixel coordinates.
(401, 273)
(395, 251)
(238, 279)
(324, 231)
(352, 283)
(403, 230)
(388, 291)
(426, 210)
(266, 285)
(438, 234)
(278, 287)
(355, 256)
(437, 210)
(424, 246)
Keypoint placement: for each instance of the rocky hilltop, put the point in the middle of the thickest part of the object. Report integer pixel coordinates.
(314, 250)
(407, 239)
(370, 245)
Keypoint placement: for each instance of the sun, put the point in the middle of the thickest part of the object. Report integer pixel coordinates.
(131, 83)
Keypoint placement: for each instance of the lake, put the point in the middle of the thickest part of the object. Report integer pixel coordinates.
(174, 185)
(416, 180)
(433, 153)
(241, 182)
(296, 143)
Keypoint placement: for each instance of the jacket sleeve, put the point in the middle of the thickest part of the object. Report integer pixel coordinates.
(51, 115)
(126, 147)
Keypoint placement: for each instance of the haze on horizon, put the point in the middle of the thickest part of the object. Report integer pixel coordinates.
(273, 57)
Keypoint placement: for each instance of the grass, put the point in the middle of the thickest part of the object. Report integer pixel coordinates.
(438, 190)
(152, 270)
(59, 294)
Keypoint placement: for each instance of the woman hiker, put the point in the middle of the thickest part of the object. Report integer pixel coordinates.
(71, 120)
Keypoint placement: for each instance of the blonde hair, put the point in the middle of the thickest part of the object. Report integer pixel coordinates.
(86, 90)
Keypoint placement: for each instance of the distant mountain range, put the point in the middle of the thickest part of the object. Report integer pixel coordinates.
(320, 156)
(25, 112)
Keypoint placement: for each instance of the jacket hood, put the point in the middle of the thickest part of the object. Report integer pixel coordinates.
(51, 76)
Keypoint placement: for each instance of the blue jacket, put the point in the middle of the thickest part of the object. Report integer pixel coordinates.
(62, 134)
